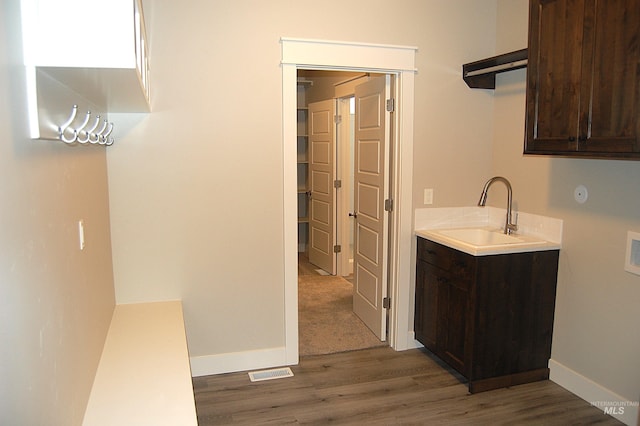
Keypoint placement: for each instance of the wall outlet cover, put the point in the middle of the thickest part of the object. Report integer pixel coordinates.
(428, 196)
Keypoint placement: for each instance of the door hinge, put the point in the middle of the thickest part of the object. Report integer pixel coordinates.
(337, 183)
(337, 119)
(391, 105)
(386, 303)
(388, 205)
(337, 248)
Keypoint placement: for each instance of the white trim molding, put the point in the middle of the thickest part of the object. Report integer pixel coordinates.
(597, 395)
(305, 53)
(339, 55)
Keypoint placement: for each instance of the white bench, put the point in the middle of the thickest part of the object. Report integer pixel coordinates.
(144, 377)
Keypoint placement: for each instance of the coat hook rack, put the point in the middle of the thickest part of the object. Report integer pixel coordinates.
(80, 134)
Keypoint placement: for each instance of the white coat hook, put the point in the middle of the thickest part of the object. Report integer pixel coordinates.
(87, 133)
(63, 128)
(80, 129)
(85, 122)
(95, 137)
(105, 138)
(74, 112)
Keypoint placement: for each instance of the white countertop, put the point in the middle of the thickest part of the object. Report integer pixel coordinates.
(537, 233)
(520, 244)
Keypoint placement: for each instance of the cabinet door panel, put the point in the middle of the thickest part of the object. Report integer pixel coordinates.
(583, 78)
(426, 315)
(610, 121)
(454, 305)
(553, 75)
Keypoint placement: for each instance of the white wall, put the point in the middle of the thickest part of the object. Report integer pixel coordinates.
(55, 300)
(597, 322)
(196, 186)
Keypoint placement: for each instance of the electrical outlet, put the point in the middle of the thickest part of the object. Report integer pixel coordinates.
(428, 196)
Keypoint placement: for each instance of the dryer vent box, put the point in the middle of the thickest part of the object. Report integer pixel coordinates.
(632, 260)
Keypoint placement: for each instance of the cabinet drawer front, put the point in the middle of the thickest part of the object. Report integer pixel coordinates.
(434, 253)
(460, 266)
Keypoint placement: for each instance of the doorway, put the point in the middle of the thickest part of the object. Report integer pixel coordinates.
(334, 136)
(332, 55)
(328, 94)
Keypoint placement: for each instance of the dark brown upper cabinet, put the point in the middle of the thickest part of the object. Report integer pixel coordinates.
(583, 78)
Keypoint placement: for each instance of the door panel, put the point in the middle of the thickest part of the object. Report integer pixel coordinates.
(370, 187)
(368, 201)
(368, 285)
(321, 176)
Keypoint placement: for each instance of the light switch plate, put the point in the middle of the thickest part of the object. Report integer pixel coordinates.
(81, 234)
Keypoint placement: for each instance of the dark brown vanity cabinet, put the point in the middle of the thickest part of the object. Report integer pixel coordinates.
(583, 78)
(489, 317)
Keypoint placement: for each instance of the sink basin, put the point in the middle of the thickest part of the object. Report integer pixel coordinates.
(482, 241)
(481, 237)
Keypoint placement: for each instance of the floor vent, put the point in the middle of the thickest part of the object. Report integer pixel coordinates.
(276, 373)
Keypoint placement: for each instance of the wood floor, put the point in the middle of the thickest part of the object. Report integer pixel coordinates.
(383, 387)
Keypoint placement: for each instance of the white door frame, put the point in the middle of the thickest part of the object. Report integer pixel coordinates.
(332, 55)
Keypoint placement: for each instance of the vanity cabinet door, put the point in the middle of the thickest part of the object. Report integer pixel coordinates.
(583, 93)
(442, 313)
(427, 296)
(453, 308)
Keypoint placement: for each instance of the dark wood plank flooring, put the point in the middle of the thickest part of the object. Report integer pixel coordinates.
(383, 387)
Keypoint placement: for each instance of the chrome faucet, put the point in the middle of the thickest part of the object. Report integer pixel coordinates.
(509, 227)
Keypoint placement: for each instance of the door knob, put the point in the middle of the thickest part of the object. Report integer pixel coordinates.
(354, 215)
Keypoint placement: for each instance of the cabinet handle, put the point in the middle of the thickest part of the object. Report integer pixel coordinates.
(459, 264)
(572, 138)
(582, 139)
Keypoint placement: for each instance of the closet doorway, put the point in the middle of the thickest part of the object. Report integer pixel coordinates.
(399, 61)
(344, 158)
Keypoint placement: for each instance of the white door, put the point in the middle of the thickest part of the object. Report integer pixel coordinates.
(321, 177)
(370, 189)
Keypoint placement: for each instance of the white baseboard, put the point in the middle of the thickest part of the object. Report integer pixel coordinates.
(238, 361)
(622, 409)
